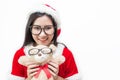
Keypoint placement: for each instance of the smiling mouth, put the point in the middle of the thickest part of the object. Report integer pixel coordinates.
(45, 39)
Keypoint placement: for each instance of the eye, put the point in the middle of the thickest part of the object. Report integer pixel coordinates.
(36, 28)
(48, 27)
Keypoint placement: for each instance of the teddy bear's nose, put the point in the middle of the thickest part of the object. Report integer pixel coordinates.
(39, 54)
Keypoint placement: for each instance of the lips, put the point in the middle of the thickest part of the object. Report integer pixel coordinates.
(43, 39)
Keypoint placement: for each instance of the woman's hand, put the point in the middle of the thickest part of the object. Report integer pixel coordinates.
(54, 69)
(31, 70)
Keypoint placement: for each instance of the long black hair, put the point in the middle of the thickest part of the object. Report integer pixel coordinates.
(28, 35)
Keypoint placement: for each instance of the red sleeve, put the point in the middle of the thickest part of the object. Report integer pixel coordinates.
(68, 68)
(18, 69)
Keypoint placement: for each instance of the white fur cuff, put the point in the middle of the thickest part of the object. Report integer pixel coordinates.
(13, 77)
(74, 77)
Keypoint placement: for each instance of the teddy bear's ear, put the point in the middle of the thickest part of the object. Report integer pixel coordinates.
(59, 59)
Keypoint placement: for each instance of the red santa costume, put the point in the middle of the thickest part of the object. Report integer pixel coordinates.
(67, 70)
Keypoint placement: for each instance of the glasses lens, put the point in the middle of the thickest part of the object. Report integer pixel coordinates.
(49, 29)
(33, 51)
(46, 50)
(36, 29)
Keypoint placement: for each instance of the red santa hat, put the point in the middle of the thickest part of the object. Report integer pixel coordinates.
(45, 8)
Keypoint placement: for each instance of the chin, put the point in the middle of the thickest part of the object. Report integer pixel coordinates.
(43, 44)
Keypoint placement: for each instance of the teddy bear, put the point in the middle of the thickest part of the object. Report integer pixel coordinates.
(41, 55)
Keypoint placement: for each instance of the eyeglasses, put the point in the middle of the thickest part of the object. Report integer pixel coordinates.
(35, 51)
(48, 29)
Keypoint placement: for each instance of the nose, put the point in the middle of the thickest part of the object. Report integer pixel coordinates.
(42, 33)
(39, 54)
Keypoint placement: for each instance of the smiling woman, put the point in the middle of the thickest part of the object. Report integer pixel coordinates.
(45, 34)
(43, 28)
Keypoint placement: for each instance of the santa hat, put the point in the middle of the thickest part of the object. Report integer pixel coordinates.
(45, 8)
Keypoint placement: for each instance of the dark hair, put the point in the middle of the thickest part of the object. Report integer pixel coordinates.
(28, 35)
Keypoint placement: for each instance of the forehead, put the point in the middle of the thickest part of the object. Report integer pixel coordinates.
(43, 20)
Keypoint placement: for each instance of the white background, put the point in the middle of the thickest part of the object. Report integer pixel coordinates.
(90, 29)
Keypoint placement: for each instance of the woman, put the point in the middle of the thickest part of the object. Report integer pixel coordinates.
(43, 28)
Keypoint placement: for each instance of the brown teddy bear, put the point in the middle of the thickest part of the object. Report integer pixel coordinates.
(41, 55)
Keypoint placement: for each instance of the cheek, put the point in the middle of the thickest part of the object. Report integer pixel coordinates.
(34, 37)
(51, 37)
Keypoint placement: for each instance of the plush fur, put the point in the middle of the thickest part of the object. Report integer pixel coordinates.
(42, 60)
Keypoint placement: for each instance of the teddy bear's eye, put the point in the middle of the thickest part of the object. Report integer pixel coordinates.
(33, 51)
(46, 50)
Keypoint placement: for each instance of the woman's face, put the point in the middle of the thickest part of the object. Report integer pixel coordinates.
(43, 30)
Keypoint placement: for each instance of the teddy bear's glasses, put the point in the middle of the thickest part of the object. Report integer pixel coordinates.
(35, 51)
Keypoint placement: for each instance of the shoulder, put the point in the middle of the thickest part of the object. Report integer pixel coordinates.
(18, 70)
(64, 50)
(68, 55)
(19, 53)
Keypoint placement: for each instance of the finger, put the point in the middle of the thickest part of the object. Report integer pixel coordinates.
(55, 65)
(30, 63)
(52, 72)
(33, 70)
(33, 74)
(55, 76)
(53, 69)
(33, 66)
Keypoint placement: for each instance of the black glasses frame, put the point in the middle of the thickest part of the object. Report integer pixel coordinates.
(41, 29)
(42, 50)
